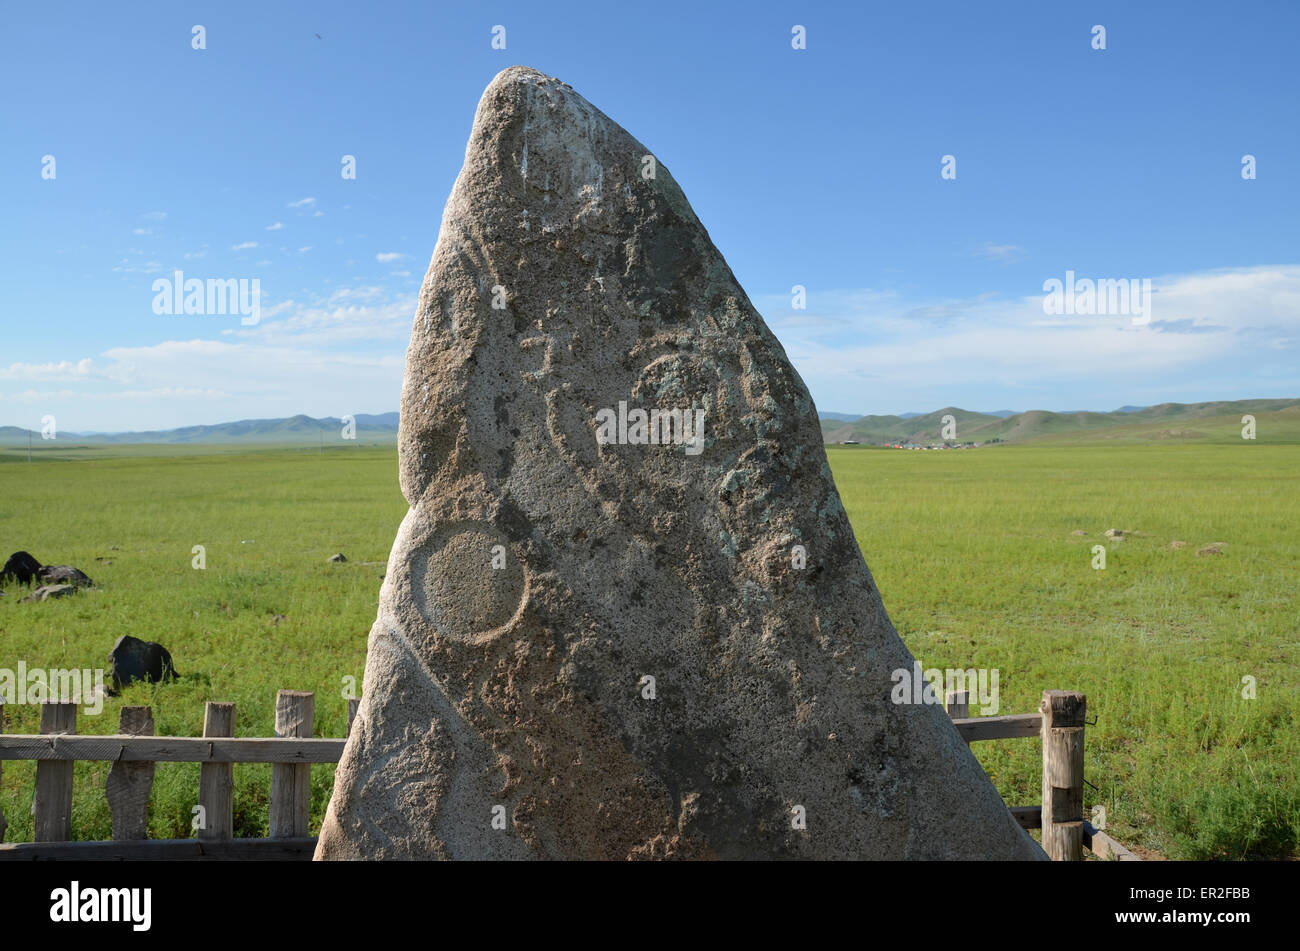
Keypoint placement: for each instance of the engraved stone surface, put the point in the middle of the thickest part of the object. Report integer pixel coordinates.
(626, 615)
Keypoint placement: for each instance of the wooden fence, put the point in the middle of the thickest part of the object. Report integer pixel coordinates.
(1060, 724)
(134, 750)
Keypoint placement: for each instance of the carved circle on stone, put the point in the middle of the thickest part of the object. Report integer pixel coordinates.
(458, 591)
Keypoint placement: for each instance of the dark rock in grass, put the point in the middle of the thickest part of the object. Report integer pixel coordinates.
(21, 567)
(133, 659)
(339, 558)
(64, 574)
(47, 591)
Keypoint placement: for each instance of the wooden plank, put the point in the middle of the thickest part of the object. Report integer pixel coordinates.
(129, 784)
(1029, 817)
(217, 780)
(170, 850)
(1063, 714)
(353, 705)
(52, 807)
(3, 824)
(958, 704)
(171, 749)
(1009, 727)
(1103, 846)
(295, 712)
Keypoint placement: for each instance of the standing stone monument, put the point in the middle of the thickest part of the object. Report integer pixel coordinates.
(626, 615)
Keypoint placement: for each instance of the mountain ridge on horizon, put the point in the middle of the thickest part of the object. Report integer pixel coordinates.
(281, 430)
(1130, 421)
(1004, 425)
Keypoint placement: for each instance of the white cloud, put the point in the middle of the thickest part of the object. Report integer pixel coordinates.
(368, 292)
(384, 257)
(302, 203)
(244, 246)
(154, 215)
(999, 252)
(275, 227)
(166, 393)
(304, 250)
(63, 370)
(243, 379)
(142, 231)
(1206, 328)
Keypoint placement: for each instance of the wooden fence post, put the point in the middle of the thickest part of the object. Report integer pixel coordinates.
(353, 704)
(1063, 714)
(217, 780)
(958, 704)
(3, 824)
(52, 806)
(295, 711)
(130, 784)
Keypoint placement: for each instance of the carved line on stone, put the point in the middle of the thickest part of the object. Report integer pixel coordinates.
(467, 754)
(435, 542)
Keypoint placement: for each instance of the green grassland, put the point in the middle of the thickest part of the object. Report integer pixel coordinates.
(972, 551)
(975, 556)
(268, 521)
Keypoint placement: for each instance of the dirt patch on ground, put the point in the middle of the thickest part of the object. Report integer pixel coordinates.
(1147, 855)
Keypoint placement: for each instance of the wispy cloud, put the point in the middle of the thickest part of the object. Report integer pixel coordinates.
(243, 247)
(999, 252)
(384, 257)
(302, 203)
(1206, 326)
(275, 227)
(63, 370)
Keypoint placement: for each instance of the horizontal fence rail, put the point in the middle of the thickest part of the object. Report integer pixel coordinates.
(1011, 727)
(164, 850)
(172, 749)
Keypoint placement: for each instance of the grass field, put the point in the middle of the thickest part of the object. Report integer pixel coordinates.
(972, 551)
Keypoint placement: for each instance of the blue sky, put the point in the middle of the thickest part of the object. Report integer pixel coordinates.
(818, 167)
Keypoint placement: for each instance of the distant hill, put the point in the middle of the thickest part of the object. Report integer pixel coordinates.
(294, 430)
(1155, 423)
(1160, 423)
